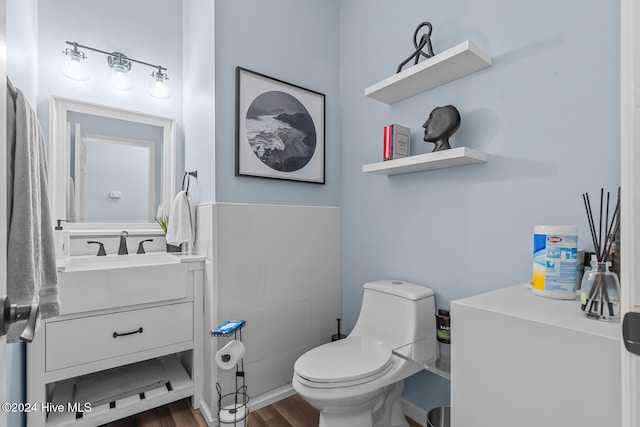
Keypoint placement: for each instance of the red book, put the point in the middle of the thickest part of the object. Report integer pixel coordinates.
(388, 143)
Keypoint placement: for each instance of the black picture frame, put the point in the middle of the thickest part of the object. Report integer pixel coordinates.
(280, 129)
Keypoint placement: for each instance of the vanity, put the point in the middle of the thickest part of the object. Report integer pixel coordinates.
(129, 337)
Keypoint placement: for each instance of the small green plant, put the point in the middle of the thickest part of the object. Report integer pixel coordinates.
(163, 221)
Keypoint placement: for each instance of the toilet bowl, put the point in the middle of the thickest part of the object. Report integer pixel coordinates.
(358, 381)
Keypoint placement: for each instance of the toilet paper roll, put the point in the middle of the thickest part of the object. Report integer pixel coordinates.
(229, 355)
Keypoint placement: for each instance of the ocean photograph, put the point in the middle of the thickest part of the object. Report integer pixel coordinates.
(280, 131)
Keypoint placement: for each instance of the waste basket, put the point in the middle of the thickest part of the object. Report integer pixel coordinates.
(439, 417)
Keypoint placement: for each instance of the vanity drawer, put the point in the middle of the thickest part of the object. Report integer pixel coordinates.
(88, 339)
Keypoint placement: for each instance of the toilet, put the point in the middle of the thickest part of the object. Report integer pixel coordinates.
(358, 381)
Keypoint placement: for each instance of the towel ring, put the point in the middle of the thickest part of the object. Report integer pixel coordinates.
(187, 176)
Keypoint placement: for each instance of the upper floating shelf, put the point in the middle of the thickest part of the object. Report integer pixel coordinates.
(458, 61)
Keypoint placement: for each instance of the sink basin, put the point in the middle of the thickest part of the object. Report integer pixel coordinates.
(89, 283)
(80, 263)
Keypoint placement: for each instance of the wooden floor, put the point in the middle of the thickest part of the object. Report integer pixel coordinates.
(290, 412)
(176, 414)
(293, 411)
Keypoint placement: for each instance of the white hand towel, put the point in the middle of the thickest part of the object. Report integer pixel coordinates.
(181, 226)
(31, 261)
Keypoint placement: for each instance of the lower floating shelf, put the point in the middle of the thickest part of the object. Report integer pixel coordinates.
(437, 160)
(180, 386)
(421, 353)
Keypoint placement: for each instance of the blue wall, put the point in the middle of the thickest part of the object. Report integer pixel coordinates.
(547, 112)
(296, 41)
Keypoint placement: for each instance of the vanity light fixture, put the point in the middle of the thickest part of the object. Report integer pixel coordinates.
(72, 67)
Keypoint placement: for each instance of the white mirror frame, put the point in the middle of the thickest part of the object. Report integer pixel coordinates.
(59, 154)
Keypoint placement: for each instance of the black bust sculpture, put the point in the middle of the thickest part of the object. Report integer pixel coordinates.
(441, 124)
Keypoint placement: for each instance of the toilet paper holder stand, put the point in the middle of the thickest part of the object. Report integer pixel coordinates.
(232, 407)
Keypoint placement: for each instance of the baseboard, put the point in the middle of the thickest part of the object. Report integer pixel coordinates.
(208, 416)
(415, 412)
(271, 396)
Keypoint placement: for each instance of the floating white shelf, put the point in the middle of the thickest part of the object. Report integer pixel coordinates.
(458, 61)
(437, 160)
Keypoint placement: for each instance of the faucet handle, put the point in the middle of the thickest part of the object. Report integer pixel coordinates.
(141, 246)
(101, 251)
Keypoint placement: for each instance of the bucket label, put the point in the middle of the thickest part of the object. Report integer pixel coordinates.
(555, 259)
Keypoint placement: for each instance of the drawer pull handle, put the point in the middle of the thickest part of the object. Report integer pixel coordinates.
(137, 331)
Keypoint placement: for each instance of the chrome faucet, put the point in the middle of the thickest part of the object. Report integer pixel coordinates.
(122, 250)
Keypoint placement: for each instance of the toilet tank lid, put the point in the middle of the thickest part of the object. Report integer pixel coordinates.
(400, 289)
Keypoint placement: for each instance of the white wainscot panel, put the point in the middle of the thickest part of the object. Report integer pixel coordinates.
(242, 284)
(274, 330)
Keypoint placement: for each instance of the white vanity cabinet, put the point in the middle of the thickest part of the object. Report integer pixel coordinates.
(73, 347)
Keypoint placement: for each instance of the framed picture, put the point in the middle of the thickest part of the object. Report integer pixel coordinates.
(279, 129)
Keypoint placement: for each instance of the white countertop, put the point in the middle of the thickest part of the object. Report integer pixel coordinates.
(87, 262)
(518, 301)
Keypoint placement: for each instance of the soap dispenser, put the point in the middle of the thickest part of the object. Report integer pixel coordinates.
(61, 240)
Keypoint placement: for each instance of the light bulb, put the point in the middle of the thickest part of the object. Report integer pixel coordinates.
(120, 66)
(72, 65)
(118, 79)
(158, 85)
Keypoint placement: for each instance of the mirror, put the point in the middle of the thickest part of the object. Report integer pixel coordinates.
(109, 165)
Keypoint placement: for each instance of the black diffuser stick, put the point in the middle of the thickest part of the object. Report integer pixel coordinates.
(615, 231)
(592, 294)
(606, 298)
(600, 227)
(606, 229)
(613, 228)
(587, 206)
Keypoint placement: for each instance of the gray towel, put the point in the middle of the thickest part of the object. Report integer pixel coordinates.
(31, 262)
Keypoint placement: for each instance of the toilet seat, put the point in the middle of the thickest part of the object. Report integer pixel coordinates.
(343, 363)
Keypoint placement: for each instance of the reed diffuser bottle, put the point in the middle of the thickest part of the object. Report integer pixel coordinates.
(600, 288)
(600, 293)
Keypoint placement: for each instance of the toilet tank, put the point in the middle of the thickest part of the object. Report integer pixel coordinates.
(396, 313)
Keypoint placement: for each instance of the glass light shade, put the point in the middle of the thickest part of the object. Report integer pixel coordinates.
(158, 86)
(118, 79)
(72, 66)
